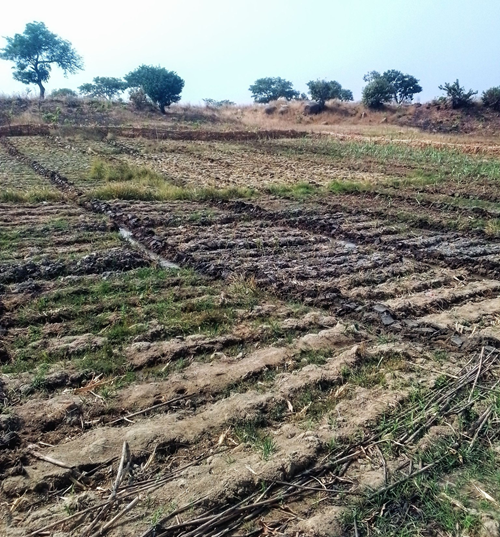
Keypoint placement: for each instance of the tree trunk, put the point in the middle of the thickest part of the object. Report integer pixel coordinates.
(42, 90)
(161, 106)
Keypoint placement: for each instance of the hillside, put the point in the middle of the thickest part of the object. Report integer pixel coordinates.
(436, 118)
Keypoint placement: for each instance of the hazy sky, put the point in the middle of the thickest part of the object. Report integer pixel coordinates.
(220, 47)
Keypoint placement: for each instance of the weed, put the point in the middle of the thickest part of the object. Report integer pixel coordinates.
(267, 446)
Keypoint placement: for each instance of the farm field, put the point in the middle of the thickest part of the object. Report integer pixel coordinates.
(249, 335)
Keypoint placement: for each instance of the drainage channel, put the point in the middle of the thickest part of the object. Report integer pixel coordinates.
(164, 263)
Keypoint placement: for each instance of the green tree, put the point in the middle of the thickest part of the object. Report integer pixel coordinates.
(346, 95)
(405, 86)
(265, 90)
(161, 86)
(324, 90)
(456, 94)
(491, 98)
(377, 92)
(36, 51)
(104, 86)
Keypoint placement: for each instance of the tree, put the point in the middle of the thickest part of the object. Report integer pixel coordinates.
(63, 92)
(35, 52)
(405, 86)
(456, 94)
(268, 89)
(323, 90)
(377, 92)
(161, 86)
(491, 98)
(104, 86)
(346, 95)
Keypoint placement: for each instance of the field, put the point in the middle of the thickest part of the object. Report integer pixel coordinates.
(255, 333)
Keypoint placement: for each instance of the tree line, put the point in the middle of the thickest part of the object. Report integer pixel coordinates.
(37, 50)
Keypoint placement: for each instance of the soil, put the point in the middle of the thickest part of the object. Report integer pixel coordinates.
(253, 380)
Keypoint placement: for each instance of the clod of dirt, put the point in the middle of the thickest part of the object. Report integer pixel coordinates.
(324, 524)
(144, 353)
(4, 354)
(434, 435)
(311, 319)
(15, 486)
(71, 344)
(326, 339)
(490, 527)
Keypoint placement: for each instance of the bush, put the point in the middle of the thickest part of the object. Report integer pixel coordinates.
(377, 92)
(64, 92)
(139, 99)
(213, 103)
(457, 96)
(491, 98)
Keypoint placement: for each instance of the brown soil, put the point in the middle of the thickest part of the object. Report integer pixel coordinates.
(257, 412)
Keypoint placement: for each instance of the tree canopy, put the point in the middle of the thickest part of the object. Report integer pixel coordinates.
(323, 90)
(36, 51)
(377, 92)
(404, 86)
(161, 86)
(265, 90)
(104, 86)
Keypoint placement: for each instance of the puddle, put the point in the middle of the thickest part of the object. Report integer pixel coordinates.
(164, 263)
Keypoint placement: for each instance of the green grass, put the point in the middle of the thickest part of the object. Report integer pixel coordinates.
(299, 190)
(430, 162)
(250, 432)
(31, 195)
(121, 309)
(167, 192)
(348, 187)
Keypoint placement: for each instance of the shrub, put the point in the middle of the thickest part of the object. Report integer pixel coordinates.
(457, 96)
(377, 92)
(491, 98)
(64, 92)
(139, 99)
(213, 103)
(98, 170)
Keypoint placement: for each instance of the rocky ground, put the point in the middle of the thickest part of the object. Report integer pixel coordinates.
(319, 359)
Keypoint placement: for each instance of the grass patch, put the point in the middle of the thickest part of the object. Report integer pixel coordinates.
(249, 432)
(33, 195)
(297, 191)
(427, 161)
(348, 187)
(167, 192)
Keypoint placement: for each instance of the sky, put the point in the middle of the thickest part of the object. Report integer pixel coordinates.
(220, 47)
